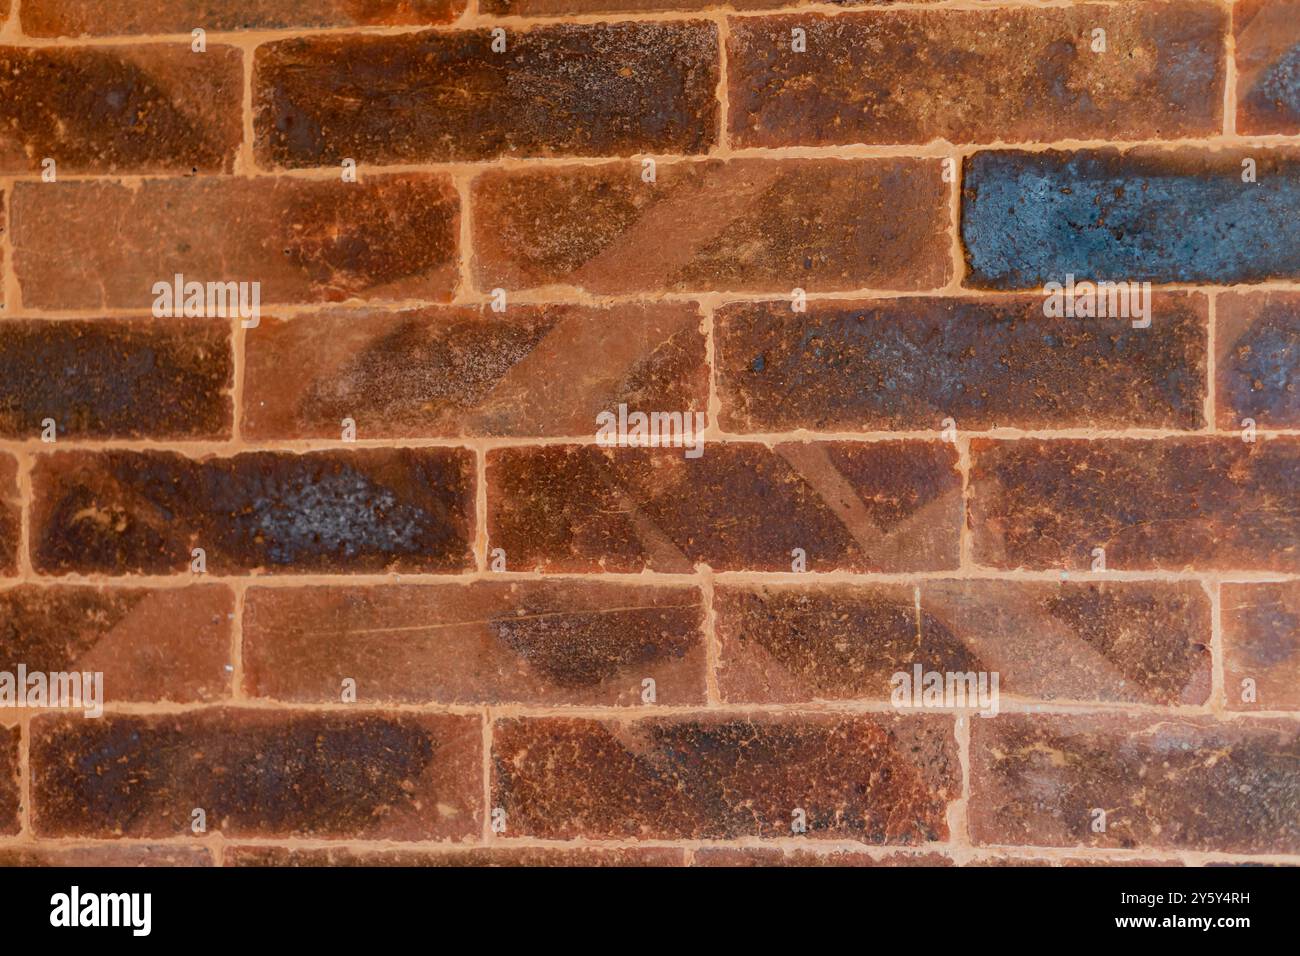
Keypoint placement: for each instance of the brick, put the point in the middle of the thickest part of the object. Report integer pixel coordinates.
(10, 515)
(104, 109)
(106, 378)
(258, 774)
(471, 372)
(10, 787)
(1072, 862)
(1267, 40)
(392, 509)
(1180, 215)
(1257, 359)
(886, 506)
(104, 855)
(602, 89)
(1120, 642)
(537, 642)
(494, 856)
(1261, 643)
(52, 18)
(1173, 504)
(90, 245)
(769, 856)
(161, 644)
(908, 363)
(876, 779)
(1161, 76)
(1186, 784)
(549, 8)
(744, 225)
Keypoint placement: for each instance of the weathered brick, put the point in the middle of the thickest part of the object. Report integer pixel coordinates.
(540, 642)
(1074, 861)
(769, 856)
(163, 644)
(52, 18)
(1185, 503)
(1261, 643)
(749, 224)
(908, 363)
(10, 515)
(395, 509)
(1267, 35)
(1190, 783)
(877, 779)
(105, 855)
(1257, 359)
(89, 245)
(10, 786)
(548, 8)
(106, 378)
(1178, 215)
(532, 371)
(104, 109)
(914, 76)
(487, 856)
(1139, 642)
(885, 506)
(258, 774)
(603, 89)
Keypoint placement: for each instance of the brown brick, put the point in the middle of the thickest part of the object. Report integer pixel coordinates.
(540, 642)
(1261, 643)
(909, 363)
(1185, 503)
(1257, 359)
(10, 515)
(877, 779)
(52, 18)
(886, 506)
(768, 856)
(1072, 862)
(493, 856)
(746, 225)
(142, 109)
(978, 76)
(258, 774)
(549, 8)
(10, 788)
(1190, 783)
(532, 371)
(164, 644)
(104, 855)
(392, 509)
(106, 378)
(1267, 35)
(601, 89)
(90, 245)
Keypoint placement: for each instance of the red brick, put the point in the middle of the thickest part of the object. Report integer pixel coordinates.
(104, 855)
(163, 644)
(105, 378)
(488, 856)
(1261, 643)
(1188, 784)
(1257, 363)
(1173, 504)
(886, 506)
(258, 774)
(10, 786)
(538, 642)
(876, 779)
(601, 89)
(468, 372)
(746, 225)
(394, 509)
(978, 76)
(10, 515)
(103, 109)
(90, 245)
(908, 363)
(51, 18)
(768, 856)
(1267, 44)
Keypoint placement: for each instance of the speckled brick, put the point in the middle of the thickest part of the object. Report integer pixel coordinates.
(884, 506)
(1177, 215)
(10, 785)
(1164, 783)
(604, 89)
(1257, 348)
(1267, 42)
(10, 515)
(909, 363)
(107, 378)
(1174, 504)
(104, 855)
(488, 856)
(876, 779)
(258, 774)
(491, 642)
(914, 76)
(373, 510)
(747, 225)
(1261, 646)
(769, 856)
(467, 372)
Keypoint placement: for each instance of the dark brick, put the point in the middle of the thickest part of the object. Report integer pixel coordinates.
(1257, 349)
(492, 856)
(10, 788)
(769, 856)
(10, 515)
(374, 510)
(1267, 35)
(1261, 642)
(104, 855)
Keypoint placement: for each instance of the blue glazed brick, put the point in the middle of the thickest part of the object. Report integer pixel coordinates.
(1146, 215)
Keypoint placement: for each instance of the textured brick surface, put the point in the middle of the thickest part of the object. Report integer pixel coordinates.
(10, 792)
(500, 856)
(10, 515)
(1261, 644)
(1257, 339)
(1267, 41)
(105, 856)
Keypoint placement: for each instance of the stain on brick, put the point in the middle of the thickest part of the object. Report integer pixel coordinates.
(1257, 339)
(1261, 645)
(1267, 41)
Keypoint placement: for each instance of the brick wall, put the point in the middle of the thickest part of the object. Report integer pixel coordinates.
(837, 255)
